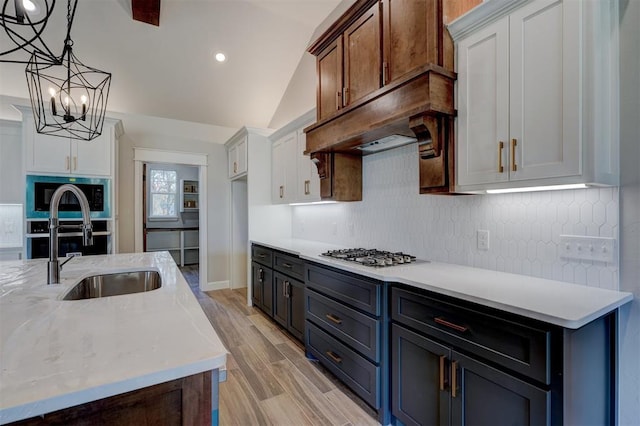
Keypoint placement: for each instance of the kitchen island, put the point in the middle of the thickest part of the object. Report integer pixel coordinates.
(56, 354)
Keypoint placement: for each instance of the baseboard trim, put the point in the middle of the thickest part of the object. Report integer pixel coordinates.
(216, 285)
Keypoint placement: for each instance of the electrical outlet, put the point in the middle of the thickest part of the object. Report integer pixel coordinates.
(482, 239)
(599, 249)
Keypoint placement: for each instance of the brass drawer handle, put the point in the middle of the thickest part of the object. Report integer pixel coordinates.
(287, 265)
(334, 357)
(446, 323)
(442, 358)
(333, 318)
(307, 191)
(513, 155)
(281, 191)
(262, 256)
(285, 288)
(500, 148)
(454, 378)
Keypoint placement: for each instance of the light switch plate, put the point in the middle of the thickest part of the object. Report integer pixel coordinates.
(598, 249)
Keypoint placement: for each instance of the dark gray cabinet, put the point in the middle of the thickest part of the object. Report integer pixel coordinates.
(458, 363)
(432, 384)
(345, 331)
(277, 288)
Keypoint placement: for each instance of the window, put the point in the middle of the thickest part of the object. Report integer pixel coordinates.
(163, 187)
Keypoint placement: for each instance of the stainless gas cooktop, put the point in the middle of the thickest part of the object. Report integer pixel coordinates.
(371, 257)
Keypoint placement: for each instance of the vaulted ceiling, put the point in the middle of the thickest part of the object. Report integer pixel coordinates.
(169, 70)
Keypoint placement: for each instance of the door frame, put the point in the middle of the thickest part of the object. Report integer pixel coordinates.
(148, 155)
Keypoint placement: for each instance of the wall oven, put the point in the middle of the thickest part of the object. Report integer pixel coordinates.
(69, 240)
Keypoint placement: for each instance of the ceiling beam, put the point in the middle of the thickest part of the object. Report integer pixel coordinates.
(147, 11)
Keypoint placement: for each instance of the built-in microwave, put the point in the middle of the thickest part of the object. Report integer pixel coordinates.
(40, 189)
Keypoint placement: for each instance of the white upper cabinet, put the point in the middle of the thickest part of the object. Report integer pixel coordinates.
(294, 176)
(64, 156)
(237, 157)
(529, 86)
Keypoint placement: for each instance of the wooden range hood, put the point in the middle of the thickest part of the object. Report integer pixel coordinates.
(415, 99)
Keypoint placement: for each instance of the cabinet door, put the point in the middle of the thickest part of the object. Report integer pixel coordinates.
(410, 36)
(419, 379)
(241, 157)
(257, 280)
(362, 57)
(308, 180)
(46, 154)
(267, 292)
(92, 157)
(296, 309)
(283, 170)
(486, 396)
(483, 105)
(546, 80)
(329, 70)
(280, 299)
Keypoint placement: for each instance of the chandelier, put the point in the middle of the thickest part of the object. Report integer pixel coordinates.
(68, 98)
(23, 22)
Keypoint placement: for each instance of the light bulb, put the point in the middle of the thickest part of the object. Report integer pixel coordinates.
(83, 99)
(66, 100)
(52, 92)
(28, 5)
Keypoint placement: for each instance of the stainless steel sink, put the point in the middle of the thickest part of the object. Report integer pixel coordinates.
(114, 284)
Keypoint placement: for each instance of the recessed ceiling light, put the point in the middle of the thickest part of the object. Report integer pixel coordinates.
(220, 57)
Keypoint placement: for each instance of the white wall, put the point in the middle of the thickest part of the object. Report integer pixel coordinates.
(630, 210)
(300, 94)
(11, 178)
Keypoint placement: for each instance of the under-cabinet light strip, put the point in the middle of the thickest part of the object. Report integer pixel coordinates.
(312, 203)
(537, 188)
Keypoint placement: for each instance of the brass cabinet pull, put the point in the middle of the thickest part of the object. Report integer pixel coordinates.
(333, 318)
(345, 95)
(66, 164)
(442, 358)
(334, 357)
(385, 72)
(446, 323)
(285, 286)
(500, 148)
(235, 167)
(75, 163)
(512, 148)
(307, 191)
(454, 373)
(281, 191)
(338, 94)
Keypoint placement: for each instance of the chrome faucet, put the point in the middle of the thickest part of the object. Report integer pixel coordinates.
(54, 266)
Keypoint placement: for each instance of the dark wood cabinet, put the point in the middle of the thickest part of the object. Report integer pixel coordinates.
(277, 288)
(329, 70)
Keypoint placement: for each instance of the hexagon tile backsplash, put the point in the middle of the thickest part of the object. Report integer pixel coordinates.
(524, 228)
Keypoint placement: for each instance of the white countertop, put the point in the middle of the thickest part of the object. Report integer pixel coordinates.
(555, 302)
(56, 354)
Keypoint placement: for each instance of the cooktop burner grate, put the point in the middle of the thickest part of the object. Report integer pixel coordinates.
(371, 257)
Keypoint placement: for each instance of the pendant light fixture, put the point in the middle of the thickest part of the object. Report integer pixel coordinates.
(23, 22)
(68, 98)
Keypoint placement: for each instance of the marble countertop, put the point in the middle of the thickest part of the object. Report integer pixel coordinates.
(555, 302)
(56, 354)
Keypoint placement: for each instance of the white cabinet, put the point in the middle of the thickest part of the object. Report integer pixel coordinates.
(294, 176)
(284, 169)
(58, 155)
(523, 108)
(237, 158)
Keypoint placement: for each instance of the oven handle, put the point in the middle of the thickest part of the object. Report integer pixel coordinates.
(68, 234)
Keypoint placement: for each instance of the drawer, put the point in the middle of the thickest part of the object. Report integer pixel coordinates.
(262, 255)
(356, 292)
(362, 376)
(359, 331)
(515, 346)
(288, 265)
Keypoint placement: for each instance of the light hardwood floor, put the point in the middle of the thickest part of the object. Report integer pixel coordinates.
(269, 380)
